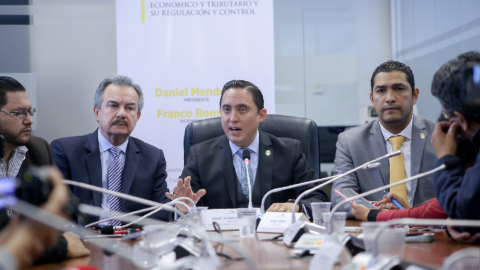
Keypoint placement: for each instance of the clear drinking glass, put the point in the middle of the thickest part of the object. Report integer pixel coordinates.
(318, 208)
(246, 219)
(338, 224)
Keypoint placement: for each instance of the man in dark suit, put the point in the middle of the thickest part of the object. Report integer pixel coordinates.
(214, 168)
(110, 158)
(393, 96)
(22, 150)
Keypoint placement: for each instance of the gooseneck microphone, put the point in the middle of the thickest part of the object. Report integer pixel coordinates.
(365, 165)
(449, 164)
(275, 190)
(246, 159)
(124, 196)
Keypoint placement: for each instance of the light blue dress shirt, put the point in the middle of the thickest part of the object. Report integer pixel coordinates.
(237, 160)
(106, 158)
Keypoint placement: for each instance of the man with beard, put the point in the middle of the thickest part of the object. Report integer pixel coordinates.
(393, 95)
(110, 158)
(22, 150)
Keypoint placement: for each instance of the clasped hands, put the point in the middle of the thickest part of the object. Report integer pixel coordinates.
(184, 189)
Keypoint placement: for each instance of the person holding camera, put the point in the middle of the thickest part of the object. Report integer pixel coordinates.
(458, 191)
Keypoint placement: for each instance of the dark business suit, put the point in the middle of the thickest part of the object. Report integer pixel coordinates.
(365, 143)
(210, 165)
(39, 154)
(144, 172)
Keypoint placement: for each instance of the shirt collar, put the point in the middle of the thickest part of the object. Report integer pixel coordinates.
(253, 146)
(21, 149)
(104, 144)
(406, 132)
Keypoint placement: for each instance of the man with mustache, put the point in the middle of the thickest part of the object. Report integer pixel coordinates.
(393, 95)
(110, 158)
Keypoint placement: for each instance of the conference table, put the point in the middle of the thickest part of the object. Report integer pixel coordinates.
(269, 254)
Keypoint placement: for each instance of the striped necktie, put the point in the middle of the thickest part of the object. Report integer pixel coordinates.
(115, 184)
(397, 168)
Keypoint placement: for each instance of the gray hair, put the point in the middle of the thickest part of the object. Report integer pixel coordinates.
(121, 81)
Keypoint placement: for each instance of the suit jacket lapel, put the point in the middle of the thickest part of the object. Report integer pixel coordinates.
(94, 165)
(131, 162)
(377, 142)
(417, 145)
(265, 167)
(229, 175)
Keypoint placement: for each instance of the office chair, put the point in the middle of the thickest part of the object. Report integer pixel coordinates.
(302, 129)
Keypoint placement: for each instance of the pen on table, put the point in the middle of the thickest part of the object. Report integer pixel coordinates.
(394, 201)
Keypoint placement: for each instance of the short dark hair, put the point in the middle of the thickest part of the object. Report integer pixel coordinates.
(446, 86)
(8, 84)
(392, 65)
(250, 87)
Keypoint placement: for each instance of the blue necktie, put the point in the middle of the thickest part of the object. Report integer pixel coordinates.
(243, 175)
(115, 184)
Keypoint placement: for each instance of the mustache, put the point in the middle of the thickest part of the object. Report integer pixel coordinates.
(119, 121)
(25, 128)
(390, 107)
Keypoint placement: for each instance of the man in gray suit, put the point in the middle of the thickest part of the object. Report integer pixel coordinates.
(393, 96)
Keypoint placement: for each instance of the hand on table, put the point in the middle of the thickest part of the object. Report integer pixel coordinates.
(75, 246)
(184, 189)
(464, 237)
(282, 207)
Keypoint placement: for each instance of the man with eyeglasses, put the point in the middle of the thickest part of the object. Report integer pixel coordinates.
(22, 150)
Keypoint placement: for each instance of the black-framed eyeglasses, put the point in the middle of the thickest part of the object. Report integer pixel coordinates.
(21, 114)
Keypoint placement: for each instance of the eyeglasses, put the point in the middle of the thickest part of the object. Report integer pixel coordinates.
(21, 114)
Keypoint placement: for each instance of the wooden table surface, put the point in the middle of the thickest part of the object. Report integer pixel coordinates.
(270, 254)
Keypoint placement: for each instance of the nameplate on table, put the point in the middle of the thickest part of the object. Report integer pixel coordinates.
(278, 222)
(226, 218)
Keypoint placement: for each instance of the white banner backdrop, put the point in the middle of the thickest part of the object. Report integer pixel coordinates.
(182, 52)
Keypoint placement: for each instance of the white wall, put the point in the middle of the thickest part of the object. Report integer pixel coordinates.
(430, 33)
(325, 53)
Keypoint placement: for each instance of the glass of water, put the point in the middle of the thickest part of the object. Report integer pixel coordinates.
(318, 208)
(338, 224)
(246, 219)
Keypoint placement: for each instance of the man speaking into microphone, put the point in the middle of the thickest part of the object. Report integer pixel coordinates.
(215, 173)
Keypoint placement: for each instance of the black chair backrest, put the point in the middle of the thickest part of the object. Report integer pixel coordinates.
(302, 129)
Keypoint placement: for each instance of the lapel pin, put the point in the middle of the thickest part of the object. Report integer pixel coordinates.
(268, 153)
(422, 136)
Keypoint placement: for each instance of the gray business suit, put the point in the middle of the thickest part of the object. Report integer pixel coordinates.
(365, 143)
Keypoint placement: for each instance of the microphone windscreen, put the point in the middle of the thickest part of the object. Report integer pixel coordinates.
(246, 154)
(107, 230)
(452, 163)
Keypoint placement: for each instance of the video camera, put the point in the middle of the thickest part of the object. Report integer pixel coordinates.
(471, 84)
